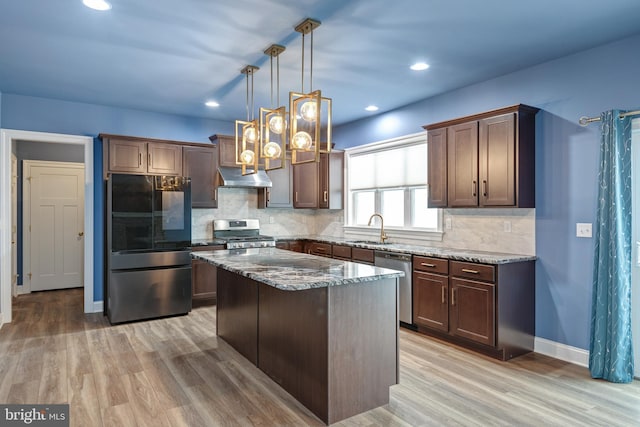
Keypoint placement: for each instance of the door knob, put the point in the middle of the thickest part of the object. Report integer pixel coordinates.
(80, 234)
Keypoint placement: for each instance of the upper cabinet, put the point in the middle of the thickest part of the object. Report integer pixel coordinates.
(139, 156)
(485, 160)
(200, 163)
(319, 185)
(280, 194)
(134, 155)
(226, 150)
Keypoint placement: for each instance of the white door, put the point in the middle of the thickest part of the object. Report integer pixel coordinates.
(54, 220)
(14, 224)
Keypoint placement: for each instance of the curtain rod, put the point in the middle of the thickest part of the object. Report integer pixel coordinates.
(584, 120)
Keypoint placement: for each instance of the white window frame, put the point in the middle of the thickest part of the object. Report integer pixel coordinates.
(404, 233)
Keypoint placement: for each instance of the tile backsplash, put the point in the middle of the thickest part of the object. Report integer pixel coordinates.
(476, 229)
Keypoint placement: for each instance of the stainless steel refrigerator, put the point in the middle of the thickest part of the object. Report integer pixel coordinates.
(148, 247)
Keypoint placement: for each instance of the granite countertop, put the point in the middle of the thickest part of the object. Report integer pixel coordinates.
(293, 271)
(448, 253)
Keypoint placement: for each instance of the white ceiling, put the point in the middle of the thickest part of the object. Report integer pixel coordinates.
(173, 55)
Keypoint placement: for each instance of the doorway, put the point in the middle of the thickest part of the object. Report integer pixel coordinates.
(8, 140)
(53, 225)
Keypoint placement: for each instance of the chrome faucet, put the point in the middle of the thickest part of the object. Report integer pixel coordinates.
(383, 236)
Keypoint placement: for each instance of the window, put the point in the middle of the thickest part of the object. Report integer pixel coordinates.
(390, 178)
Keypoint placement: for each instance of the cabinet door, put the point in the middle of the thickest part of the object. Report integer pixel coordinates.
(462, 155)
(227, 151)
(323, 182)
(164, 159)
(497, 161)
(127, 156)
(203, 279)
(472, 310)
(200, 163)
(430, 301)
(437, 168)
(280, 195)
(305, 185)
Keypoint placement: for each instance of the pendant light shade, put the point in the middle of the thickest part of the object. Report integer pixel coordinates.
(248, 131)
(309, 113)
(273, 120)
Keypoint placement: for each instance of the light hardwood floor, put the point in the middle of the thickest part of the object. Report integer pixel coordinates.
(175, 372)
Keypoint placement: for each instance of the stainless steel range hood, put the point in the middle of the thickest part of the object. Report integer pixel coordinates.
(232, 177)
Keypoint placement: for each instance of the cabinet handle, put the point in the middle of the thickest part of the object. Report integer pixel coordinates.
(149, 159)
(268, 196)
(444, 293)
(484, 187)
(215, 194)
(427, 265)
(296, 197)
(139, 159)
(466, 270)
(473, 188)
(453, 296)
(325, 195)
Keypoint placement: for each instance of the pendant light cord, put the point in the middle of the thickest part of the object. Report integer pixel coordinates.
(247, 103)
(311, 66)
(302, 73)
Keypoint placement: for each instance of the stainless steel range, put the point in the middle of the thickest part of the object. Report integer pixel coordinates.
(241, 233)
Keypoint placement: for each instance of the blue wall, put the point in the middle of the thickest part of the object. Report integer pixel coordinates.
(49, 115)
(566, 162)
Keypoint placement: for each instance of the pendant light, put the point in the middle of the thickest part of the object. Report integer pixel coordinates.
(309, 113)
(273, 121)
(248, 132)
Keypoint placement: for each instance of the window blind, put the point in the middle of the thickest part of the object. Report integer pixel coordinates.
(397, 167)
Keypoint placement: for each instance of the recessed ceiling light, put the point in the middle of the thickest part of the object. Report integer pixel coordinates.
(419, 66)
(372, 108)
(211, 104)
(97, 4)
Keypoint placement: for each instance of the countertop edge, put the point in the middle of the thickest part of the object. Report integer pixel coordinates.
(483, 257)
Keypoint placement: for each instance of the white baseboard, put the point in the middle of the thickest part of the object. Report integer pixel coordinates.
(1, 320)
(98, 306)
(560, 351)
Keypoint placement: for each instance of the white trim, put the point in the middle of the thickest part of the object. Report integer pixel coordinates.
(7, 138)
(410, 235)
(98, 307)
(387, 144)
(26, 212)
(560, 351)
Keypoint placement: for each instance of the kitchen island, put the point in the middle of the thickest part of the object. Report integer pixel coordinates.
(325, 330)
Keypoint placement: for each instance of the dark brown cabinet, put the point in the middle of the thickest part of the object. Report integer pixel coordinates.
(280, 194)
(431, 293)
(362, 255)
(200, 163)
(204, 278)
(489, 308)
(128, 154)
(462, 164)
(341, 252)
(135, 155)
(226, 150)
(319, 185)
(437, 168)
(318, 248)
(490, 159)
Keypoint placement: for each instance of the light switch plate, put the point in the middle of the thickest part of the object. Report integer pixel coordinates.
(583, 229)
(447, 223)
(507, 226)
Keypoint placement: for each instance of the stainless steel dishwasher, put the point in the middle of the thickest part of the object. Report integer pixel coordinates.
(400, 262)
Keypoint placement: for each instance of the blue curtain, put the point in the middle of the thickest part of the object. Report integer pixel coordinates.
(610, 348)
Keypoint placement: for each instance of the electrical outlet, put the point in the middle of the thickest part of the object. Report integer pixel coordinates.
(447, 223)
(583, 229)
(272, 220)
(507, 226)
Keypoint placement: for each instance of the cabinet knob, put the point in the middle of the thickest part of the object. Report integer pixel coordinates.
(81, 233)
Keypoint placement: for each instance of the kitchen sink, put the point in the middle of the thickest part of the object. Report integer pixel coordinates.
(369, 242)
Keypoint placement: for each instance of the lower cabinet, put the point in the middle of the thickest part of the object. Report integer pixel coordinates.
(318, 248)
(489, 308)
(204, 278)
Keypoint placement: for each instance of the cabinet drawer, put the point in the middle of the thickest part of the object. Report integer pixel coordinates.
(470, 270)
(322, 249)
(431, 265)
(207, 248)
(343, 252)
(362, 255)
(282, 245)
